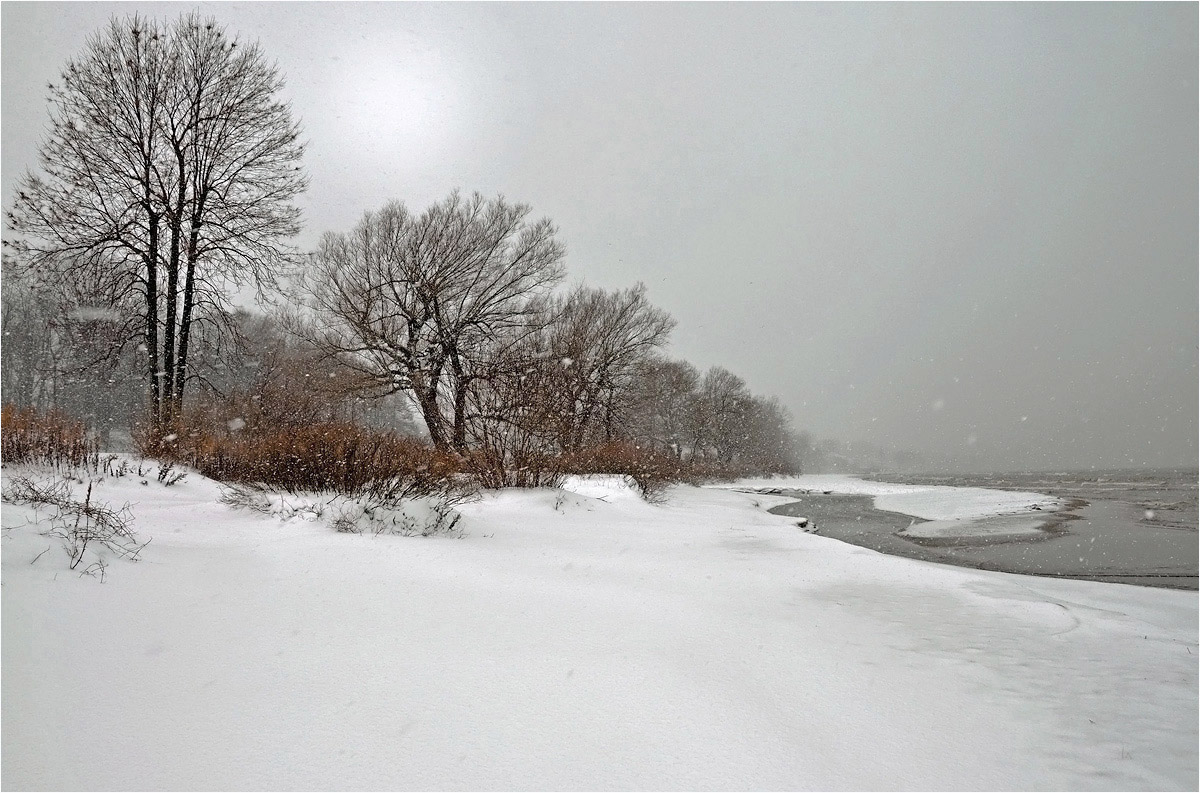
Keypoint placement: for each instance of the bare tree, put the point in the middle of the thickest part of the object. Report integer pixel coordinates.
(766, 442)
(665, 396)
(596, 342)
(420, 303)
(569, 386)
(26, 353)
(59, 354)
(720, 407)
(268, 380)
(513, 413)
(168, 176)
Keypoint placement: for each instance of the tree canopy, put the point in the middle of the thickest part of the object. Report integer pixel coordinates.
(167, 180)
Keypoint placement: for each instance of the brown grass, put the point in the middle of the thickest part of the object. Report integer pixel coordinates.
(31, 436)
(354, 460)
(320, 457)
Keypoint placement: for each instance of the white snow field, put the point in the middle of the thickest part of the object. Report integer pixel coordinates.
(578, 639)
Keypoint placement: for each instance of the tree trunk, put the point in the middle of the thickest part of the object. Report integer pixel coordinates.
(460, 417)
(424, 385)
(189, 302)
(459, 429)
(608, 417)
(427, 401)
(152, 328)
(170, 331)
(583, 418)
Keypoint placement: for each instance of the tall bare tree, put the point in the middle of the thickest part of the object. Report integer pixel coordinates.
(419, 303)
(167, 181)
(718, 418)
(513, 412)
(665, 396)
(766, 442)
(596, 342)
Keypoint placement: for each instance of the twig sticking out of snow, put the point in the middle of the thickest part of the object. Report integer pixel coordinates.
(80, 524)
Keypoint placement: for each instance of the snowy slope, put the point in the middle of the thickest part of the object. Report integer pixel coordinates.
(575, 640)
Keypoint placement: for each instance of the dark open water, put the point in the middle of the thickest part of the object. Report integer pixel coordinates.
(1134, 527)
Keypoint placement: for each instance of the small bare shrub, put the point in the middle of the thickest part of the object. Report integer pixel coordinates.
(112, 466)
(345, 523)
(79, 524)
(167, 475)
(245, 497)
(423, 516)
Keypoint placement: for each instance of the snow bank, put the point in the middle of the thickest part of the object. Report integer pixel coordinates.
(931, 502)
(954, 511)
(993, 526)
(606, 487)
(573, 639)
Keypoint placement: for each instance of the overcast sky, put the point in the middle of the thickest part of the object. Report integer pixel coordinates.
(964, 229)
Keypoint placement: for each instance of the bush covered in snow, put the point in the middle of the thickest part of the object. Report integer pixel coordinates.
(423, 516)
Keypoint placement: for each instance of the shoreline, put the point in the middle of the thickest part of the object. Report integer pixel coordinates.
(1097, 539)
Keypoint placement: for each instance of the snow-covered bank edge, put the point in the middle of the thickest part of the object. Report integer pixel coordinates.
(944, 512)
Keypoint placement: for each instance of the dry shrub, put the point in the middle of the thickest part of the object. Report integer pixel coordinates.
(46, 438)
(80, 524)
(322, 457)
(495, 469)
(417, 517)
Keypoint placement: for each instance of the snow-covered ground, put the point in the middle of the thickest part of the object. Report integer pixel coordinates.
(947, 511)
(575, 639)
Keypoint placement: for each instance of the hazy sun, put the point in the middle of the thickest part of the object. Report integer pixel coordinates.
(394, 103)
